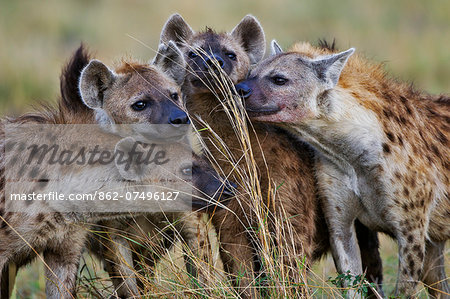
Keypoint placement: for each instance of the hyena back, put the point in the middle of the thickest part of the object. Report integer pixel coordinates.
(384, 152)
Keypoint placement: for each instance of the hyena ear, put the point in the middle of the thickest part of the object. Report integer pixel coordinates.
(127, 165)
(176, 29)
(171, 61)
(250, 34)
(95, 78)
(329, 68)
(275, 48)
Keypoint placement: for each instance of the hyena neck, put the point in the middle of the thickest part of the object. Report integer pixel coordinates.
(208, 108)
(349, 135)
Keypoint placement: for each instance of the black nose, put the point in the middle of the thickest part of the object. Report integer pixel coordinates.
(209, 61)
(243, 90)
(178, 117)
(228, 188)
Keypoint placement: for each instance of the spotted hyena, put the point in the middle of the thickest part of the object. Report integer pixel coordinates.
(59, 236)
(57, 231)
(151, 97)
(287, 162)
(384, 152)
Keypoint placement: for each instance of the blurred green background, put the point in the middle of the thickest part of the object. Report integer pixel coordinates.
(37, 37)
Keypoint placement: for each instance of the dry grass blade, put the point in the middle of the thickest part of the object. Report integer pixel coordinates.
(276, 279)
(280, 277)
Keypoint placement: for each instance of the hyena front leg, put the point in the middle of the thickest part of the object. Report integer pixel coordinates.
(194, 233)
(434, 276)
(411, 253)
(5, 292)
(7, 279)
(120, 266)
(236, 250)
(62, 261)
(340, 206)
(370, 255)
(296, 226)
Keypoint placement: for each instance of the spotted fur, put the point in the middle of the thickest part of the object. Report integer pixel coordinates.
(384, 147)
(60, 237)
(280, 160)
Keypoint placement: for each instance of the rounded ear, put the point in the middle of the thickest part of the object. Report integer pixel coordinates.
(125, 159)
(275, 48)
(250, 34)
(95, 79)
(329, 68)
(176, 29)
(171, 61)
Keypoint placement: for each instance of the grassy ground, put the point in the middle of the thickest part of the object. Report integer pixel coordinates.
(37, 37)
(31, 281)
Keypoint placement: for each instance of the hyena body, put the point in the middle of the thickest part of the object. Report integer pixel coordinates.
(280, 160)
(160, 103)
(62, 239)
(59, 230)
(384, 153)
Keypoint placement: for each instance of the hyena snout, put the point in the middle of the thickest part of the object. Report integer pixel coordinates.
(217, 191)
(255, 101)
(178, 117)
(244, 90)
(212, 62)
(228, 189)
(213, 188)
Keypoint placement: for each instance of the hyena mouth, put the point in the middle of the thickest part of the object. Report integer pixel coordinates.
(265, 110)
(198, 82)
(255, 113)
(201, 79)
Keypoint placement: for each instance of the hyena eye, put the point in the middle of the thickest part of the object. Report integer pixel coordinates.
(231, 55)
(192, 54)
(278, 80)
(186, 171)
(139, 105)
(174, 96)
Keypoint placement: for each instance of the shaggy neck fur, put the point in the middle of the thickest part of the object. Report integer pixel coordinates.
(370, 119)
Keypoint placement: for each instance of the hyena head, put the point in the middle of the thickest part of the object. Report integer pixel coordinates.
(136, 93)
(293, 87)
(208, 184)
(184, 163)
(149, 94)
(207, 51)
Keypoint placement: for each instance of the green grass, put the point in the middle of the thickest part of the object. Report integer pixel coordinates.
(388, 249)
(31, 280)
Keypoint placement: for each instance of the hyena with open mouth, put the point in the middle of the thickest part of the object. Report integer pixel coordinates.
(384, 153)
(280, 160)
